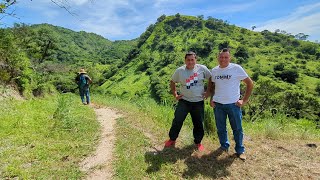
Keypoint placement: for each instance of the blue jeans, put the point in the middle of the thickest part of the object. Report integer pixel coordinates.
(196, 110)
(221, 111)
(84, 92)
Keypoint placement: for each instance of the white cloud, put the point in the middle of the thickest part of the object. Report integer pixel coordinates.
(78, 2)
(127, 19)
(229, 8)
(113, 19)
(304, 19)
(167, 3)
(307, 8)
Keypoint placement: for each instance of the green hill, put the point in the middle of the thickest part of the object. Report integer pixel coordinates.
(42, 58)
(48, 137)
(285, 70)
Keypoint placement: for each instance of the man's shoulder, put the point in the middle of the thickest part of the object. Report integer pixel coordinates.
(234, 65)
(181, 68)
(202, 66)
(215, 68)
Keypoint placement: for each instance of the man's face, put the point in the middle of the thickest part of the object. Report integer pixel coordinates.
(190, 61)
(224, 59)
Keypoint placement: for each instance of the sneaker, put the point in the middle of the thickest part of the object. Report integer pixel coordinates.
(200, 147)
(169, 143)
(242, 156)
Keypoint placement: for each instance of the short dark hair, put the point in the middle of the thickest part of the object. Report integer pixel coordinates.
(189, 53)
(225, 50)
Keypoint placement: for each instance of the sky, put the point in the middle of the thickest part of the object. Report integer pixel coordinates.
(128, 19)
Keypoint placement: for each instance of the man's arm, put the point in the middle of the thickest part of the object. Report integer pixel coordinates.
(209, 90)
(212, 88)
(89, 79)
(174, 91)
(249, 87)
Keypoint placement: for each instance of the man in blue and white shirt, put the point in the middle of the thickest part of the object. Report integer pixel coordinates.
(226, 100)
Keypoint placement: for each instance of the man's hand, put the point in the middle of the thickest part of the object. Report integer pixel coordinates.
(178, 97)
(212, 104)
(241, 103)
(205, 95)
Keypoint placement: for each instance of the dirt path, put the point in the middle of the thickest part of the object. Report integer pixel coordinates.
(98, 165)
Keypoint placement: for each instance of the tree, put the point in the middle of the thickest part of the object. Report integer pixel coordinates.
(242, 52)
(265, 97)
(253, 27)
(201, 17)
(224, 44)
(288, 75)
(299, 104)
(279, 67)
(4, 5)
(318, 89)
(161, 18)
(301, 36)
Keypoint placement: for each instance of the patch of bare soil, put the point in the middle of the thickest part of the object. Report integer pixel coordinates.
(9, 92)
(266, 159)
(99, 165)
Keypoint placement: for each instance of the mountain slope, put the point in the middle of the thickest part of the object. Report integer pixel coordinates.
(285, 70)
(45, 57)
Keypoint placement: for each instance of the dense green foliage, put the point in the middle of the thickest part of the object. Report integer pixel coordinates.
(47, 138)
(285, 70)
(42, 58)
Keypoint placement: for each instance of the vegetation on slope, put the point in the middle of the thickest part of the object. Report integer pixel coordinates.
(285, 70)
(40, 59)
(45, 138)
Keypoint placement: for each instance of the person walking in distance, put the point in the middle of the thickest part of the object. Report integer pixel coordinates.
(191, 76)
(83, 81)
(226, 100)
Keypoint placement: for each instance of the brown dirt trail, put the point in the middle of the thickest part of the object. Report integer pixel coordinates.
(99, 165)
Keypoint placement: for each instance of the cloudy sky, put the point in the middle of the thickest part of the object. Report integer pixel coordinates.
(127, 19)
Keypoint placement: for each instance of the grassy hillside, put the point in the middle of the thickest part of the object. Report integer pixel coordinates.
(45, 138)
(285, 70)
(41, 58)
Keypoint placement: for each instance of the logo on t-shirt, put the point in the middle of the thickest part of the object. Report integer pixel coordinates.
(192, 80)
(223, 77)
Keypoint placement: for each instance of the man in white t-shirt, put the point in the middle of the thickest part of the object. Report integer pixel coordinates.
(226, 100)
(191, 77)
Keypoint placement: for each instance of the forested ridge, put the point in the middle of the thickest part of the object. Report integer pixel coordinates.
(43, 58)
(285, 68)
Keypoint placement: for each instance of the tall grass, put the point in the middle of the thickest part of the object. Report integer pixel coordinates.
(45, 138)
(144, 128)
(273, 126)
(280, 126)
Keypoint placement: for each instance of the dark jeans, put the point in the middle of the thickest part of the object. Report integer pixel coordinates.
(84, 92)
(196, 110)
(233, 112)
